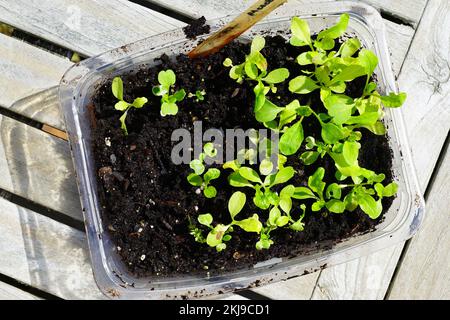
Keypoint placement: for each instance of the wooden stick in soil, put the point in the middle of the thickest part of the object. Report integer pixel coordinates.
(235, 28)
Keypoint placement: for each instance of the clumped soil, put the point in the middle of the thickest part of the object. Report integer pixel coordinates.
(146, 199)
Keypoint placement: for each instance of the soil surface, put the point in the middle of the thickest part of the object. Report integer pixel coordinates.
(147, 200)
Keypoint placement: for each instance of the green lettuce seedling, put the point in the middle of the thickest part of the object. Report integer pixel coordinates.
(220, 233)
(122, 105)
(167, 79)
(196, 178)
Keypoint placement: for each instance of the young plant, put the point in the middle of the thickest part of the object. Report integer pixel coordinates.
(167, 79)
(255, 68)
(196, 179)
(248, 177)
(122, 105)
(199, 95)
(220, 233)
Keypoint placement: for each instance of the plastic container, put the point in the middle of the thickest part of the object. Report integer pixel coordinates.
(79, 83)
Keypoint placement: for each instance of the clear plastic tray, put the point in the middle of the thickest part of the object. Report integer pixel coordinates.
(76, 90)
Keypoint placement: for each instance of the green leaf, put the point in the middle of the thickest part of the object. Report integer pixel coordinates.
(195, 179)
(139, 102)
(305, 58)
(349, 47)
(350, 152)
(277, 76)
(315, 181)
(335, 206)
(209, 149)
(350, 202)
(333, 191)
(169, 109)
(393, 100)
(263, 244)
(340, 107)
(302, 193)
(378, 128)
(332, 133)
(249, 174)
(205, 219)
(121, 106)
(236, 203)
(369, 60)
(233, 165)
(215, 236)
(390, 190)
(282, 221)
(317, 206)
(117, 88)
(300, 30)
(236, 180)
(349, 73)
(266, 167)
(292, 139)
(210, 192)
(221, 246)
(260, 200)
(368, 204)
(123, 125)
(258, 44)
(287, 191)
(365, 119)
(166, 78)
(211, 174)
(309, 157)
(227, 62)
(337, 30)
(285, 204)
(267, 112)
(297, 226)
(251, 70)
(179, 95)
(274, 214)
(250, 224)
(324, 43)
(197, 166)
(283, 175)
(302, 85)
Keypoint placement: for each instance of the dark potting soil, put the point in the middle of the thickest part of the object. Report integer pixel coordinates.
(146, 199)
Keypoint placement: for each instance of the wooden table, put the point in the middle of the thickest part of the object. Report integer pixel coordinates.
(42, 241)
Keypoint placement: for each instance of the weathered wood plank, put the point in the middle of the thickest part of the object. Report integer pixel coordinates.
(45, 254)
(425, 77)
(86, 26)
(8, 292)
(423, 273)
(300, 288)
(25, 70)
(37, 166)
(407, 10)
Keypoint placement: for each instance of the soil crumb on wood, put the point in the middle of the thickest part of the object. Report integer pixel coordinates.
(196, 28)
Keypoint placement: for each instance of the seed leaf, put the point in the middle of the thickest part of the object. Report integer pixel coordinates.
(166, 78)
(236, 203)
(205, 219)
(309, 157)
(117, 88)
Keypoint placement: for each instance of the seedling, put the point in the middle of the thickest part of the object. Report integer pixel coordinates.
(199, 95)
(167, 79)
(255, 68)
(122, 105)
(248, 177)
(220, 233)
(196, 178)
